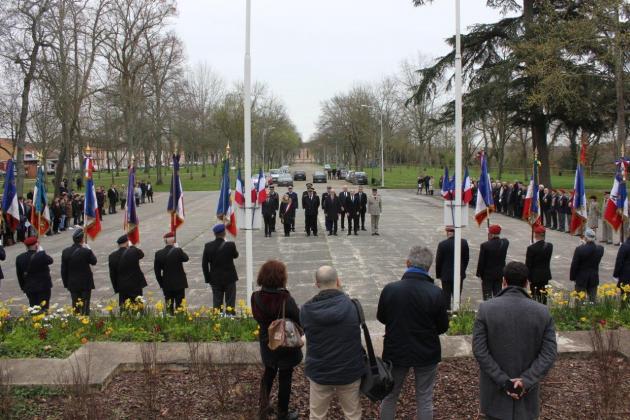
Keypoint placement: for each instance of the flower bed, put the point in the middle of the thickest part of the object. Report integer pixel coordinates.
(571, 311)
(59, 333)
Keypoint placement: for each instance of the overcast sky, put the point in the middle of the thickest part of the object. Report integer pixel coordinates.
(307, 51)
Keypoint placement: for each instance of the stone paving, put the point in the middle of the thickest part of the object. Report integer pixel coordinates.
(365, 263)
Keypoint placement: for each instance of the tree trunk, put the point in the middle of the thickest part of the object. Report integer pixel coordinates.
(539, 139)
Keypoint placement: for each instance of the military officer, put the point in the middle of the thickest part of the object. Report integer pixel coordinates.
(219, 270)
(444, 258)
(76, 272)
(129, 276)
(310, 204)
(538, 262)
(169, 272)
(585, 265)
(33, 273)
(294, 199)
(492, 254)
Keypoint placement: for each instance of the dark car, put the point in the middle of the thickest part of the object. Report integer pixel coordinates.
(299, 176)
(319, 177)
(343, 173)
(360, 178)
(350, 177)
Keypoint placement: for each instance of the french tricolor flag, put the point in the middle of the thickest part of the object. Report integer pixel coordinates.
(10, 207)
(259, 193)
(467, 194)
(239, 197)
(617, 205)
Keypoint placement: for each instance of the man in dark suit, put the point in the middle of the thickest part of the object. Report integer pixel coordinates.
(275, 200)
(33, 274)
(310, 204)
(492, 254)
(130, 277)
(294, 199)
(622, 265)
(268, 211)
(585, 265)
(112, 196)
(331, 205)
(514, 342)
(3, 256)
(444, 260)
(343, 197)
(114, 260)
(546, 206)
(353, 206)
(169, 272)
(538, 262)
(76, 272)
(219, 270)
(362, 206)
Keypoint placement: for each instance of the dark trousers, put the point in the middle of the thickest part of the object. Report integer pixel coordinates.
(81, 301)
(36, 299)
(590, 291)
(174, 299)
(131, 296)
(122, 203)
(287, 227)
(562, 218)
(547, 214)
(538, 292)
(273, 222)
(268, 225)
(353, 219)
(224, 294)
(362, 220)
(554, 219)
(311, 224)
(490, 288)
(447, 291)
(284, 388)
(343, 219)
(331, 225)
(112, 207)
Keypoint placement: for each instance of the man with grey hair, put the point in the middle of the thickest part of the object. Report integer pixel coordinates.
(334, 355)
(585, 265)
(413, 310)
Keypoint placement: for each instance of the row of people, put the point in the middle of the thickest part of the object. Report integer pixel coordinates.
(514, 352)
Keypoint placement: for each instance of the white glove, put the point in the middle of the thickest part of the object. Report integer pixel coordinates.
(176, 245)
(85, 245)
(39, 248)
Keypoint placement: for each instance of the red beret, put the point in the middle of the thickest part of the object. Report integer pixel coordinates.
(169, 235)
(540, 230)
(30, 241)
(494, 229)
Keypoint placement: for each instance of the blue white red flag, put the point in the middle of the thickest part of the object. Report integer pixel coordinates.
(578, 218)
(484, 204)
(225, 211)
(132, 223)
(259, 193)
(617, 205)
(531, 204)
(448, 186)
(10, 207)
(40, 214)
(239, 197)
(176, 198)
(91, 213)
(467, 194)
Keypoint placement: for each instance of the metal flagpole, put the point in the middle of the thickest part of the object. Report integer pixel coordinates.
(85, 163)
(458, 161)
(247, 105)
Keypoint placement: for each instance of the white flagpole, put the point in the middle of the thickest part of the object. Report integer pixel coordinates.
(458, 159)
(247, 105)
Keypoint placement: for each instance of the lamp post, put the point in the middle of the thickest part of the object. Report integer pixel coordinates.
(263, 145)
(382, 143)
(247, 113)
(458, 159)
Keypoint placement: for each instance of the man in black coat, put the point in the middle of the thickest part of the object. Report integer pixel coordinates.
(76, 273)
(294, 199)
(33, 274)
(444, 260)
(169, 272)
(219, 270)
(275, 200)
(112, 196)
(343, 197)
(352, 207)
(310, 204)
(492, 254)
(129, 275)
(362, 206)
(268, 210)
(3, 256)
(622, 265)
(113, 261)
(414, 312)
(331, 206)
(538, 262)
(585, 265)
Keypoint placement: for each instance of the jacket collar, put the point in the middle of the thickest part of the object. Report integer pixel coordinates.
(411, 275)
(514, 291)
(327, 294)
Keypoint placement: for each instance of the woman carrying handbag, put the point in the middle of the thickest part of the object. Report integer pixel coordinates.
(274, 303)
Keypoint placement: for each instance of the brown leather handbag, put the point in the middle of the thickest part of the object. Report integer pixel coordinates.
(284, 333)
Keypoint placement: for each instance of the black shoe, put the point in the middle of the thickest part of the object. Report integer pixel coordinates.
(291, 415)
(363, 228)
(343, 228)
(314, 234)
(335, 234)
(356, 234)
(292, 230)
(377, 234)
(349, 233)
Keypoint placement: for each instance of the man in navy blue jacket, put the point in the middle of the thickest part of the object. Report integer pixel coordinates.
(413, 310)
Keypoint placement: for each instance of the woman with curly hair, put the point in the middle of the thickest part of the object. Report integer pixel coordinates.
(266, 308)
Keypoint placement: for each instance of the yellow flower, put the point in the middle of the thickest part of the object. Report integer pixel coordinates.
(159, 306)
(85, 320)
(256, 333)
(583, 319)
(582, 295)
(217, 327)
(241, 303)
(108, 331)
(190, 318)
(109, 308)
(37, 325)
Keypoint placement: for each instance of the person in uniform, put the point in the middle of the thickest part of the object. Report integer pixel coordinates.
(331, 206)
(362, 206)
(169, 271)
(374, 208)
(593, 214)
(492, 254)
(538, 262)
(294, 200)
(444, 261)
(3, 256)
(33, 274)
(343, 198)
(268, 212)
(219, 270)
(555, 207)
(585, 265)
(310, 204)
(622, 265)
(275, 200)
(326, 194)
(563, 211)
(131, 279)
(76, 273)
(114, 260)
(287, 214)
(607, 232)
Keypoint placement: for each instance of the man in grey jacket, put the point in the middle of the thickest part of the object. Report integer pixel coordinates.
(514, 342)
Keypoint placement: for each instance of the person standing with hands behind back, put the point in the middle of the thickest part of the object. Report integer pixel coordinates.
(267, 306)
(219, 270)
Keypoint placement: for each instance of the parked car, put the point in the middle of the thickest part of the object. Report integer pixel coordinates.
(285, 180)
(327, 167)
(343, 173)
(299, 176)
(319, 176)
(284, 169)
(274, 175)
(360, 178)
(350, 177)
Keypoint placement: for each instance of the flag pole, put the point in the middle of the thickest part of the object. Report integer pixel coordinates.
(173, 205)
(458, 161)
(247, 128)
(87, 156)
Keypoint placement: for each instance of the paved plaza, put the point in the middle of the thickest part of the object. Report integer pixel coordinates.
(365, 263)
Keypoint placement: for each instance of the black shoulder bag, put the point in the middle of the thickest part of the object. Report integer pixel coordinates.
(378, 381)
